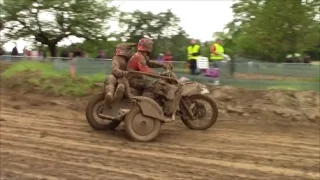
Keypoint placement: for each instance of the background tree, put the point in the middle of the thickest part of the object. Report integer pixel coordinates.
(163, 27)
(269, 29)
(92, 47)
(49, 22)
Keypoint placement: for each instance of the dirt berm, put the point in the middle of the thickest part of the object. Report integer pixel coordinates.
(284, 106)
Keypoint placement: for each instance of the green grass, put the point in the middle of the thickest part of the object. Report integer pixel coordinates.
(42, 76)
(45, 68)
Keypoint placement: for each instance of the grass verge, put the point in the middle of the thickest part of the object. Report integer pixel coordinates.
(42, 77)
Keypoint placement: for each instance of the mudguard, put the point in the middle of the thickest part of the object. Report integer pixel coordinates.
(190, 88)
(149, 107)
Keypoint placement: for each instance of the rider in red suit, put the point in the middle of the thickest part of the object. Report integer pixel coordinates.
(140, 62)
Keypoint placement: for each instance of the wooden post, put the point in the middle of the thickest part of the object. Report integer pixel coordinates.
(72, 66)
(187, 68)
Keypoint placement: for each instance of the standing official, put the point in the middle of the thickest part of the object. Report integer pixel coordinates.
(216, 57)
(193, 54)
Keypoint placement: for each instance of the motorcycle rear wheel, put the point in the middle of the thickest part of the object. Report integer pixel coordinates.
(208, 122)
(93, 108)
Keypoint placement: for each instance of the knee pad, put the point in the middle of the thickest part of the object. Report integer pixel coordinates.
(110, 79)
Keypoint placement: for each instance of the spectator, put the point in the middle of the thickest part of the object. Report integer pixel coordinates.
(160, 57)
(2, 51)
(193, 54)
(101, 54)
(168, 57)
(14, 50)
(307, 59)
(42, 54)
(65, 55)
(216, 56)
(77, 53)
(25, 51)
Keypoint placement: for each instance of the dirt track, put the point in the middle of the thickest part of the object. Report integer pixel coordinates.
(53, 141)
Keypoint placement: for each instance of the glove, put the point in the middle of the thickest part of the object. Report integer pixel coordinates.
(167, 66)
(125, 73)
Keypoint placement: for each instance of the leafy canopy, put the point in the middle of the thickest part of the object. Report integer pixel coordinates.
(48, 22)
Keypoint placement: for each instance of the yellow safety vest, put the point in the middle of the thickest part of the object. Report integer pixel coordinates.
(220, 51)
(193, 49)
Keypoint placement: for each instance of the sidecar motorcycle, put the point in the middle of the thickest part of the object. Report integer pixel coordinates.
(144, 116)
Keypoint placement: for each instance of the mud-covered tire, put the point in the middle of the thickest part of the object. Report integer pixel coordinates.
(130, 130)
(90, 111)
(210, 122)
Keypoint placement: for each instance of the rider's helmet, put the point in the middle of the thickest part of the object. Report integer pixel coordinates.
(145, 44)
(125, 49)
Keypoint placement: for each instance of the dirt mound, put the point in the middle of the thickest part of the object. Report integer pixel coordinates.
(288, 106)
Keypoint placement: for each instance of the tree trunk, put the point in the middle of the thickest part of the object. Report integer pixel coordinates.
(53, 50)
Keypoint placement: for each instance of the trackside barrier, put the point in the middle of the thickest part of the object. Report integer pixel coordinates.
(87, 66)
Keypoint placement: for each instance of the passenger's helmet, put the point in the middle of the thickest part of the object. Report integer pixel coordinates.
(145, 44)
(125, 49)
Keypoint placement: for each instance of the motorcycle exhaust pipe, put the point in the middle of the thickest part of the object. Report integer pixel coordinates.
(116, 118)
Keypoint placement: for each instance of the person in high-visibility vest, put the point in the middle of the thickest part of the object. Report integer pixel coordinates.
(216, 57)
(193, 54)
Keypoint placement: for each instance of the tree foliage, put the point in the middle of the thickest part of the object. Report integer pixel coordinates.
(269, 29)
(162, 27)
(49, 22)
(92, 47)
(261, 29)
(139, 24)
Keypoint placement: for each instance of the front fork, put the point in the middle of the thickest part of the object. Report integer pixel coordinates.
(185, 109)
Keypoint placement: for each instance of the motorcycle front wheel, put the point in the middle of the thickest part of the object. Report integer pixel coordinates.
(200, 105)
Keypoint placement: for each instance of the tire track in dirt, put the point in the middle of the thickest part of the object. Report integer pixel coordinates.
(122, 165)
(144, 162)
(81, 132)
(44, 143)
(245, 136)
(206, 153)
(113, 152)
(127, 151)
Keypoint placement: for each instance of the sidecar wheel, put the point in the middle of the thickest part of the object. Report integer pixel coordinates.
(141, 128)
(201, 113)
(94, 107)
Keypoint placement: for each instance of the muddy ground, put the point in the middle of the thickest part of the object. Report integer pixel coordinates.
(259, 135)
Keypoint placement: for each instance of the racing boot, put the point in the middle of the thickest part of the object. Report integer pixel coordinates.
(118, 94)
(168, 107)
(108, 98)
